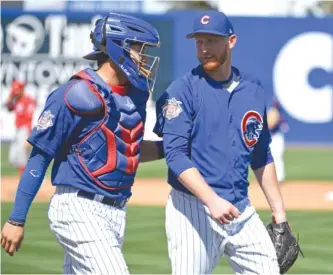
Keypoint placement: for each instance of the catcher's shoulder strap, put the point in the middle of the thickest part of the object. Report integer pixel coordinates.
(82, 97)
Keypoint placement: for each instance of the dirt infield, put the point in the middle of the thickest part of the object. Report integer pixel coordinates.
(297, 195)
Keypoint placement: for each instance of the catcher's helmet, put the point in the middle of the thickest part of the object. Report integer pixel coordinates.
(113, 36)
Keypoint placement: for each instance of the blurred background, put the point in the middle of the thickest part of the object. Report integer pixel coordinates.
(287, 44)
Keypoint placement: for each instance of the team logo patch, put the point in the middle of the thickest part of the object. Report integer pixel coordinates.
(172, 108)
(252, 124)
(45, 121)
(205, 19)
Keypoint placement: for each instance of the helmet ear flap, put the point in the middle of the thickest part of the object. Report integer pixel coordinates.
(92, 36)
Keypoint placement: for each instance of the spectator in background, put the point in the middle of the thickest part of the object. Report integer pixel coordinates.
(278, 127)
(23, 106)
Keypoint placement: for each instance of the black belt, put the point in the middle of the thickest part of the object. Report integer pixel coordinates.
(102, 199)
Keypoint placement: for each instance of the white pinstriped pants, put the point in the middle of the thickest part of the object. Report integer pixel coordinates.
(196, 242)
(90, 232)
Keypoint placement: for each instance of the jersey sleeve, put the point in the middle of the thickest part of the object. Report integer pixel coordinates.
(261, 155)
(176, 149)
(174, 111)
(55, 124)
(29, 184)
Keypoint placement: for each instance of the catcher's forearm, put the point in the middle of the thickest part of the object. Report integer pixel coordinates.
(266, 177)
(151, 150)
(29, 184)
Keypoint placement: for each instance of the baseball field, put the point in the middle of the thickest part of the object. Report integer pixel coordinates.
(308, 194)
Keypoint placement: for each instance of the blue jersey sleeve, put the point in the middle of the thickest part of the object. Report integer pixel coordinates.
(55, 124)
(29, 184)
(269, 104)
(174, 111)
(261, 155)
(177, 153)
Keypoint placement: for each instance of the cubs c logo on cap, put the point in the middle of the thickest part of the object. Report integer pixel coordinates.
(252, 124)
(205, 19)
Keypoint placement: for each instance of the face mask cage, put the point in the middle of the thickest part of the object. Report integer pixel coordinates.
(147, 64)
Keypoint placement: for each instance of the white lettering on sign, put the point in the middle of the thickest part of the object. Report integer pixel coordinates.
(294, 63)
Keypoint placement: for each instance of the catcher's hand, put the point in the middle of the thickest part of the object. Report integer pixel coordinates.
(286, 245)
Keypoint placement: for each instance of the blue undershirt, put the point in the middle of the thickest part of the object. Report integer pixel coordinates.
(29, 184)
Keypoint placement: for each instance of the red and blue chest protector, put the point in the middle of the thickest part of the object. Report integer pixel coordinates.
(94, 132)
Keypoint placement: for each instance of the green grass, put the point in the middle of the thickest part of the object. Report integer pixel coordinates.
(309, 164)
(145, 246)
(301, 164)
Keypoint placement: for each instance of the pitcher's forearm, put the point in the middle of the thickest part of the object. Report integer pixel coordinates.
(194, 182)
(266, 177)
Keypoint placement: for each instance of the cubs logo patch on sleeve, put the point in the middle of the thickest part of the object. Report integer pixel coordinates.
(45, 121)
(251, 125)
(172, 108)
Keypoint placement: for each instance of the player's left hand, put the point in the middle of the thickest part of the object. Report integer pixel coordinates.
(285, 243)
(11, 238)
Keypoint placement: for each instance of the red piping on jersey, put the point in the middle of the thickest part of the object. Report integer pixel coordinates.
(111, 153)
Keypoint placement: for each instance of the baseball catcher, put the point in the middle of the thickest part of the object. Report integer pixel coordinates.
(285, 243)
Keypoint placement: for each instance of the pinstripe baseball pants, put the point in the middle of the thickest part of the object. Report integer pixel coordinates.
(196, 242)
(90, 232)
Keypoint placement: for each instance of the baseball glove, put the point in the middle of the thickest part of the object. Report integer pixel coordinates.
(286, 245)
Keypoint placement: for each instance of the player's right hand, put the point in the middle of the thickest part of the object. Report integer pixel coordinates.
(222, 210)
(11, 238)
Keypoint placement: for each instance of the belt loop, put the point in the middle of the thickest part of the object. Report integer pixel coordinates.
(98, 198)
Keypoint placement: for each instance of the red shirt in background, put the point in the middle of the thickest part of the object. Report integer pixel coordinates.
(24, 109)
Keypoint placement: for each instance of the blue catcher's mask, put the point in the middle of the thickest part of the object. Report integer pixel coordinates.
(126, 40)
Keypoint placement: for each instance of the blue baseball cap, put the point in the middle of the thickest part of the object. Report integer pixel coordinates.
(212, 22)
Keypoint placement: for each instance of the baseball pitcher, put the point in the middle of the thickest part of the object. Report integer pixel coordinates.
(214, 126)
(92, 126)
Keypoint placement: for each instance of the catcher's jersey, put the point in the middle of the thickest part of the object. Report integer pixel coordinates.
(93, 132)
(224, 124)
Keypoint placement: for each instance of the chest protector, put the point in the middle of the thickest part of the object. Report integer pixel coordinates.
(109, 152)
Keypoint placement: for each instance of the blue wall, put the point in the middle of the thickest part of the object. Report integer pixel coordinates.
(293, 58)
(304, 79)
